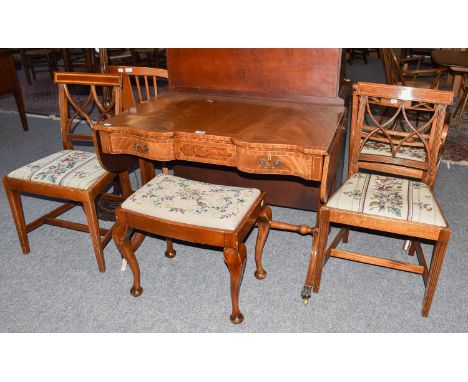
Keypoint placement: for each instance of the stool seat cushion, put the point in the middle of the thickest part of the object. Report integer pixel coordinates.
(68, 168)
(389, 197)
(190, 202)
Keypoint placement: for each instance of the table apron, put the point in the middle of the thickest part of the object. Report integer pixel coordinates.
(246, 159)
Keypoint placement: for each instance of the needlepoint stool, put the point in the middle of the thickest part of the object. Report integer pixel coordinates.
(200, 213)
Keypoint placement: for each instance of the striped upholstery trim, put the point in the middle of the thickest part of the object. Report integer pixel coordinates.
(68, 168)
(405, 152)
(388, 197)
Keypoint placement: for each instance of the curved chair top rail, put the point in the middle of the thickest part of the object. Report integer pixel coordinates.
(138, 71)
(73, 78)
(404, 93)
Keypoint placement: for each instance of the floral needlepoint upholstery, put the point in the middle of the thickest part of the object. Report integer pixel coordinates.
(186, 201)
(68, 168)
(405, 152)
(388, 197)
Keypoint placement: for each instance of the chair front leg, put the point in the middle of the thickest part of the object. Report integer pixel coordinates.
(235, 260)
(16, 206)
(264, 224)
(434, 271)
(122, 238)
(89, 207)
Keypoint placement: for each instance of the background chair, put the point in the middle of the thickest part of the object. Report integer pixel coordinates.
(72, 175)
(133, 79)
(34, 60)
(398, 73)
(80, 60)
(9, 84)
(361, 53)
(388, 190)
(459, 111)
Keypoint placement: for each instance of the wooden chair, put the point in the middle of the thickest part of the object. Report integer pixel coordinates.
(200, 213)
(9, 84)
(361, 53)
(397, 72)
(79, 59)
(389, 189)
(31, 59)
(147, 57)
(72, 175)
(460, 109)
(133, 77)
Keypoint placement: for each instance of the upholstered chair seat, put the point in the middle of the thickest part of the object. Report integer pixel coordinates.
(66, 168)
(388, 197)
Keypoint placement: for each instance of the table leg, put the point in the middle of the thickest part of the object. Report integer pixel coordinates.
(457, 81)
(147, 171)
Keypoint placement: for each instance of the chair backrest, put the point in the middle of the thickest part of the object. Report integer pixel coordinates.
(85, 99)
(133, 75)
(393, 70)
(399, 145)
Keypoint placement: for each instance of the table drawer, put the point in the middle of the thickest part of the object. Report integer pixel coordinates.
(156, 149)
(279, 162)
(206, 151)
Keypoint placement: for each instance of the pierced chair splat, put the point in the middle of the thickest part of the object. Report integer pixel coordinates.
(392, 172)
(72, 175)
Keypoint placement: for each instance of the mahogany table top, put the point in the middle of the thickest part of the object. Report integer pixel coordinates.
(306, 127)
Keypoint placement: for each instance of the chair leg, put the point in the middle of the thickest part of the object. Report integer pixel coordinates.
(25, 65)
(434, 270)
(122, 238)
(93, 223)
(461, 108)
(235, 260)
(20, 105)
(16, 206)
(264, 224)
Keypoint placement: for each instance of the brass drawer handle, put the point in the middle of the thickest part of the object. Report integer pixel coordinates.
(269, 164)
(138, 148)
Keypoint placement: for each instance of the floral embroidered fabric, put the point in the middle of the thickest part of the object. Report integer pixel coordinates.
(405, 152)
(68, 168)
(389, 197)
(186, 201)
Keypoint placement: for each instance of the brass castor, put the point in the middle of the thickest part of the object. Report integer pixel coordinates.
(306, 293)
(135, 292)
(260, 275)
(170, 253)
(236, 319)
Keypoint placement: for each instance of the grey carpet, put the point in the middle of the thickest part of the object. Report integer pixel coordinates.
(57, 287)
